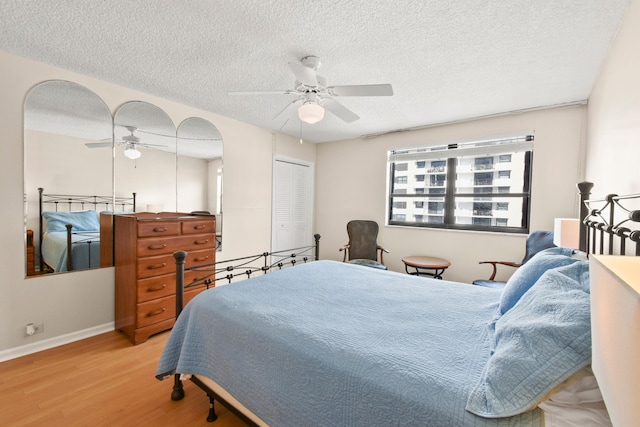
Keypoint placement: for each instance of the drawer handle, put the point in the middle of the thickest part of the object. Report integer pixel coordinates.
(160, 229)
(156, 312)
(156, 288)
(201, 242)
(202, 258)
(155, 247)
(157, 266)
(199, 227)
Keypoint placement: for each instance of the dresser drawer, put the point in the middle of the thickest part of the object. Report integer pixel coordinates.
(191, 293)
(155, 266)
(158, 228)
(194, 275)
(156, 287)
(168, 245)
(199, 258)
(155, 311)
(198, 226)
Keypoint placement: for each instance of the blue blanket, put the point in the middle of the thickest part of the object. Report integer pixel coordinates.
(336, 344)
(85, 250)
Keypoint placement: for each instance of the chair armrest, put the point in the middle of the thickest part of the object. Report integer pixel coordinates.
(382, 250)
(495, 263)
(345, 248)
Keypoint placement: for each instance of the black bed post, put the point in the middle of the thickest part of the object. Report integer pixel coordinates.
(584, 189)
(317, 239)
(178, 388)
(40, 190)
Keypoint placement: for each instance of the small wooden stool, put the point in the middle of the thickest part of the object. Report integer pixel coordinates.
(422, 263)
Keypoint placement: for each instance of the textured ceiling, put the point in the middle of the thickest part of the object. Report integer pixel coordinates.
(447, 60)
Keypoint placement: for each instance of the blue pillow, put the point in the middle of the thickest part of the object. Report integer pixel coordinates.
(81, 221)
(541, 342)
(525, 276)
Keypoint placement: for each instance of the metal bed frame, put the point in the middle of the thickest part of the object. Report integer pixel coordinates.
(70, 201)
(609, 225)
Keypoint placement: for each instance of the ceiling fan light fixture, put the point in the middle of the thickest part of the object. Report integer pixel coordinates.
(131, 152)
(310, 112)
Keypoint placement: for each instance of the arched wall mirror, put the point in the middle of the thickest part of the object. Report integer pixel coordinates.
(145, 156)
(200, 155)
(60, 120)
(85, 159)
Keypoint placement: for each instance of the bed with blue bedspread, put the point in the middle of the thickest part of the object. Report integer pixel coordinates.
(336, 344)
(75, 248)
(70, 239)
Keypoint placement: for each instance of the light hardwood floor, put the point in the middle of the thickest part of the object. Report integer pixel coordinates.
(99, 381)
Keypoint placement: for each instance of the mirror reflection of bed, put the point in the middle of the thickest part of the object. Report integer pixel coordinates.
(75, 232)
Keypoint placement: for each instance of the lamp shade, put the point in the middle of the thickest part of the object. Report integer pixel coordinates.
(310, 112)
(131, 152)
(566, 232)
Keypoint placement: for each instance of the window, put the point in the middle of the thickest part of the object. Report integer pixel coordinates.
(400, 205)
(462, 188)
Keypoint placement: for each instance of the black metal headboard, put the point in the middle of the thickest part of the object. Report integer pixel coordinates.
(71, 202)
(609, 226)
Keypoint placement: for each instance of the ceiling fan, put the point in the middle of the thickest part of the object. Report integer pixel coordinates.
(131, 141)
(313, 95)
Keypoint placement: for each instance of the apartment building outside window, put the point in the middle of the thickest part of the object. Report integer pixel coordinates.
(476, 185)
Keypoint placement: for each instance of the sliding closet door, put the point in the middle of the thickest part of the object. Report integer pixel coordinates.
(292, 205)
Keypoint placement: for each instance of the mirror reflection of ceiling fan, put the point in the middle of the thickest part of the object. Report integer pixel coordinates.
(313, 95)
(131, 142)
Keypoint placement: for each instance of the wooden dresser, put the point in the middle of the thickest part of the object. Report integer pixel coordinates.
(145, 267)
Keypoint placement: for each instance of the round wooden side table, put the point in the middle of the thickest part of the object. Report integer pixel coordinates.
(425, 265)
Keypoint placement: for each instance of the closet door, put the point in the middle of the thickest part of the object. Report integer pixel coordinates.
(292, 205)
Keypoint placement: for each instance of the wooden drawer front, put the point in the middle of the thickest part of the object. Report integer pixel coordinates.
(156, 287)
(156, 266)
(155, 311)
(158, 228)
(191, 293)
(198, 227)
(199, 258)
(170, 244)
(192, 276)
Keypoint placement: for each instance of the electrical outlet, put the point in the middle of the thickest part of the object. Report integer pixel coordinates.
(33, 328)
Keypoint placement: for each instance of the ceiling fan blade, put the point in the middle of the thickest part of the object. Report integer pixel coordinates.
(340, 110)
(263, 92)
(142, 144)
(288, 109)
(304, 74)
(98, 144)
(361, 90)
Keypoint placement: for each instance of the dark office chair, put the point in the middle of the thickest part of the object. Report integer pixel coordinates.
(536, 242)
(363, 248)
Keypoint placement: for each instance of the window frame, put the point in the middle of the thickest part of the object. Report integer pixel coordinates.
(453, 152)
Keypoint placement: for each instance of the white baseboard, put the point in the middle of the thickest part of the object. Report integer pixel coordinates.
(24, 350)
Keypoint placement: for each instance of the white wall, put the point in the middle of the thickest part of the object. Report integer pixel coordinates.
(351, 184)
(614, 114)
(78, 303)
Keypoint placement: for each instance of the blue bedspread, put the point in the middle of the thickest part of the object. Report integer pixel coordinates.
(334, 344)
(85, 250)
